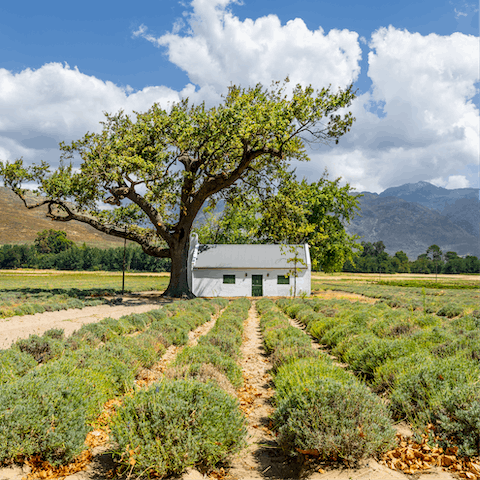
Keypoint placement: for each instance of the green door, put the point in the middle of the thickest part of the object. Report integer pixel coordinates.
(257, 285)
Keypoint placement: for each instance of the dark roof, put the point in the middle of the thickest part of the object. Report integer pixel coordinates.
(247, 256)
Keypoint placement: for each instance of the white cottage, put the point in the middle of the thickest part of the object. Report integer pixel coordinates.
(248, 270)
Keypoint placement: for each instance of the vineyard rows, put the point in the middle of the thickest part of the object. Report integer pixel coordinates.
(402, 363)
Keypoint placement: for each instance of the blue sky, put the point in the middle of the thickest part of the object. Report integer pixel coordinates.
(416, 67)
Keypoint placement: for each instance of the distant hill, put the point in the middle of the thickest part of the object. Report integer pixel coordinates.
(430, 196)
(460, 205)
(20, 225)
(412, 217)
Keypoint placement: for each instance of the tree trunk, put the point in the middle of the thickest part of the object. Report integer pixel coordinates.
(178, 286)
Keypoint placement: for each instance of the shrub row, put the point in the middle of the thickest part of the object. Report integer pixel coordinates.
(48, 411)
(447, 301)
(220, 348)
(321, 408)
(428, 367)
(25, 354)
(189, 419)
(37, 301)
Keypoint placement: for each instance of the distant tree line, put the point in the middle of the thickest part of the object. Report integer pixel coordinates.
(53, 250)
(374, 259)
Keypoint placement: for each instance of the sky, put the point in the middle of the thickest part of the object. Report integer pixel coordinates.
(416, 68)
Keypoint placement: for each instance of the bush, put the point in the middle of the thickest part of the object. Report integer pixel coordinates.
(287, 336)
(145, 347)
(42, 348)
(302, 373)
(319, 327)
(338, 420)
(365, 358)
(175, 425)
(14, 364)
(227, 339)
(451, 310)
(321, 407)
(289, 354)
(46, 413)
(194, 357)
(458, 421)
(419, 393)
(174, 332)
(387, 374)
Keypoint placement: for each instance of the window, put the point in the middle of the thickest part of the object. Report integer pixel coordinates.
(229, 279)
(283, 280)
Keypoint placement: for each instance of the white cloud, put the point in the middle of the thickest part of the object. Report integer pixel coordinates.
(429, 126)
(55, 102)
(453, 181)
(219, 48)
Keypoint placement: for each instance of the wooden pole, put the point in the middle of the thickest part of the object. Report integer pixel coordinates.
(124, 253)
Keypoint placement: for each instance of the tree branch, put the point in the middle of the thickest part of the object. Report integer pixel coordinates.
(151, 213)
(142, 240)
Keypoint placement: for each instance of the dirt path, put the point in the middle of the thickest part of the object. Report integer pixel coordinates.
(338, 294)
(262, 458)
(21, 326)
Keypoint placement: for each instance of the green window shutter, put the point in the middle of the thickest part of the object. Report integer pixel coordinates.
(283, 280)
(229, 279)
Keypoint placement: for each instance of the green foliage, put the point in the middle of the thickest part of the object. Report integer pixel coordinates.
(83, 258)
(337, 419)
(48, 410)
(426, 365)
(175, 425)
(195, 357)
(14, 364)
(226, 338)
(29, 301)
(43, 348)
(414, 283)
(375, 260)
(366, 358)
(52, 241)
(459, 419)
(320, 407)
(387, 374)
(146, 347)
(174, 332)
(419, 393)
(45, 416)
(300, 212)
(304, 373)
(450, 311)
(219, 348)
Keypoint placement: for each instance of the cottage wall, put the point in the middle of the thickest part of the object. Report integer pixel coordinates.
(209, 282)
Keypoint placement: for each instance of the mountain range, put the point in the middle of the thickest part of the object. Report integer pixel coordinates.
(414, 216)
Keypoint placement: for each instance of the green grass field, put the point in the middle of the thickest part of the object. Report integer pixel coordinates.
(50, 279)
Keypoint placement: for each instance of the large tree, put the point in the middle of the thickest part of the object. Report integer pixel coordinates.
(145, 177)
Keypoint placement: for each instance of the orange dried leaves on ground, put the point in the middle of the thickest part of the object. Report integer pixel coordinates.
(412, 457)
